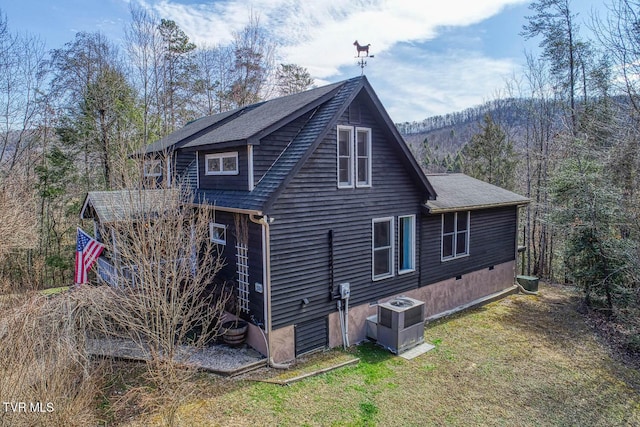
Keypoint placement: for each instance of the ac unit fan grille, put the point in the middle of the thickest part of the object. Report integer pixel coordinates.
(385, 318)
(412, 316)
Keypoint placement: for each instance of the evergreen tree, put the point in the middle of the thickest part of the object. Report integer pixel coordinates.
(98, 101)
(178, 70)
(489, 155)
(292, 78)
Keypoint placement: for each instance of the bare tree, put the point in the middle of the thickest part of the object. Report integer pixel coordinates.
(619, 35)
(555, 22)
(167, 300)
(254, 63)
(21, 82)
(213, 80)
(143, 44)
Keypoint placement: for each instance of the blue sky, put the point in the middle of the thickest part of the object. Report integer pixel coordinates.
(431, 56)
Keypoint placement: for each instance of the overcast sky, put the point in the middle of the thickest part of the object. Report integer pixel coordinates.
(431, 56)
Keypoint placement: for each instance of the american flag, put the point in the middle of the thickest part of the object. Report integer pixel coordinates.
(88, 250)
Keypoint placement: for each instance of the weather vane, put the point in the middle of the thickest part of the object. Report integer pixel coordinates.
(362, 60)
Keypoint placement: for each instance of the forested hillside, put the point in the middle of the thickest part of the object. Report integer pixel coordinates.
(437, 140)
(567, 136)
(71, 117)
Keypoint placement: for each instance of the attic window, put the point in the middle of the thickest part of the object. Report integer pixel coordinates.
(152, 167)
(354, 157)
(221, 164)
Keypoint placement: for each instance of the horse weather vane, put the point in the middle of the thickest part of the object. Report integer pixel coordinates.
(362, 60)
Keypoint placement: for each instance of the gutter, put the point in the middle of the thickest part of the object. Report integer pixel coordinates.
(436, 210)
(266, 253)
(249, 212)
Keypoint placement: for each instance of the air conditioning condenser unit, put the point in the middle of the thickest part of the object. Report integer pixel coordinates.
(400, 324)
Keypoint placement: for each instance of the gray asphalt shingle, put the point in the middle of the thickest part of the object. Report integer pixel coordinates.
(457, 191)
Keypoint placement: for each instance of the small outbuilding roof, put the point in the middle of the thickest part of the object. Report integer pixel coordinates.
(115, 206)
(458, 192)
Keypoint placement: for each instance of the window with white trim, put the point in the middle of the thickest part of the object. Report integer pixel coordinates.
(152, 167)
(221, 163)
(218, 233)
(455, 235)
(382, 248)
(406, 244)
(345, 157)
(354, 157)
(363, 157)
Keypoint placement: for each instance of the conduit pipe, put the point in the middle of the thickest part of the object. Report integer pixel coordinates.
(266, 250)
(524, 291)
(342, 330)
(346, 321)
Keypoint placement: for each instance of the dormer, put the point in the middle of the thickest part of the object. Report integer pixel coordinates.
(225, 168)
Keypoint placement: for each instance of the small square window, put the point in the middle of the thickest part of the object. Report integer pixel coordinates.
(152, 167)
(213, 164)
(218, 233)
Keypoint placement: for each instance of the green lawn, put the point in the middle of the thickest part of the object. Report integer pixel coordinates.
(521, 361)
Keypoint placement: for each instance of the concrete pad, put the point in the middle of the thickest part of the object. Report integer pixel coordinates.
(417, 351)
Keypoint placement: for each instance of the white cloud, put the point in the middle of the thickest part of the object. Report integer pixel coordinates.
(319, 35)
(438, 83)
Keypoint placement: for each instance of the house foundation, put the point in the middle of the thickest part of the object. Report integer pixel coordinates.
(441, 297)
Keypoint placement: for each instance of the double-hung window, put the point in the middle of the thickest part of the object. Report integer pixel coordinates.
(382, 248)
(345, 157)
(221, 164)
(455, 235)
(363, 157)
(354, 157)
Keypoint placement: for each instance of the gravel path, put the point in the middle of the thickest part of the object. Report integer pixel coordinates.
(220, 359)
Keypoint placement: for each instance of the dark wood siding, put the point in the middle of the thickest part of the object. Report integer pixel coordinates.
(229, 270)
(491, 242)
(272, 146)
(312, 206)
(311, 336)
(181, 162)
(225, 182)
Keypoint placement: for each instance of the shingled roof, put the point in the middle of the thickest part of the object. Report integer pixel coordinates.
(249, 124)
(312, 132)
(244, 125)
(458, 192)
(124, 205)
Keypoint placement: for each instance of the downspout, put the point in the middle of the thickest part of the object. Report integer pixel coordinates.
(263, 221)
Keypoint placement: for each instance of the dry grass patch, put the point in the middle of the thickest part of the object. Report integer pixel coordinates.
(521, 361)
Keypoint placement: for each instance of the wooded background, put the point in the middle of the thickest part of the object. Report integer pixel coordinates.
(565, 134)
